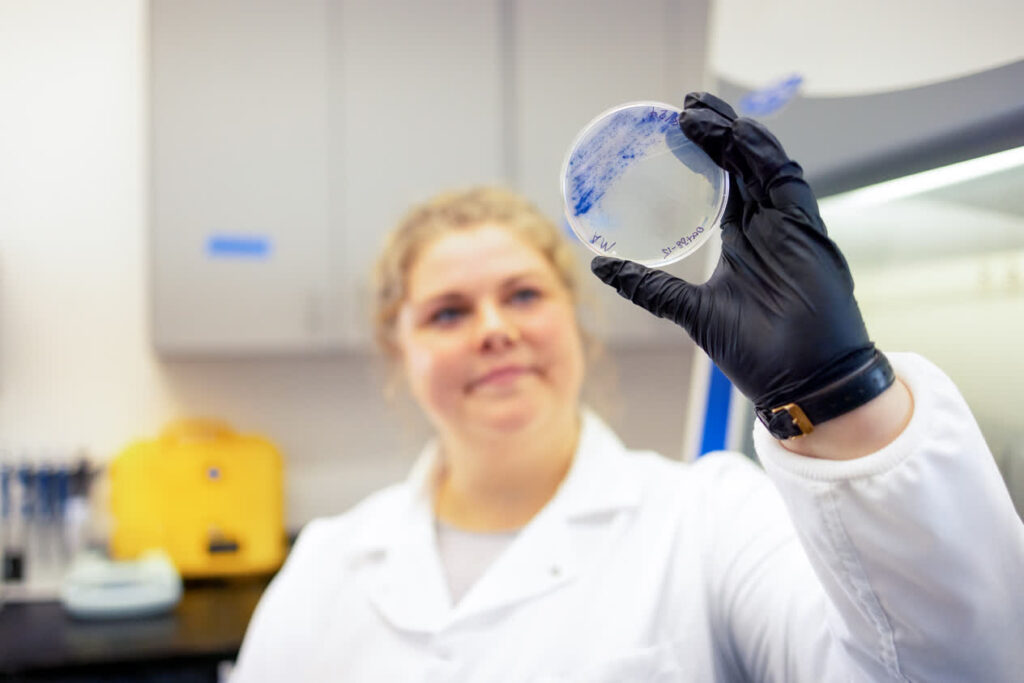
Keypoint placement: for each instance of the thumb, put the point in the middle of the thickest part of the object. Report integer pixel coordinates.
(664, 295)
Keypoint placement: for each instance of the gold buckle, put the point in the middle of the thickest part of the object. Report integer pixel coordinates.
(798, 416)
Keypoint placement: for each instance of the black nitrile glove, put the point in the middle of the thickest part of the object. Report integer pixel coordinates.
(778, 315)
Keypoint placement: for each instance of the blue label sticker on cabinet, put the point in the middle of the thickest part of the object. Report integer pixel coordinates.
(238, 246)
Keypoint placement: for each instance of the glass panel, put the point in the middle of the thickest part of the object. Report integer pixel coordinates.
(939, 270)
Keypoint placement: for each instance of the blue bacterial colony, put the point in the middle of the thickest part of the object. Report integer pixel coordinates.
(626, 137)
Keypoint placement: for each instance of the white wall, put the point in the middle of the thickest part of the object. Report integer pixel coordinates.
(76, 365)
(856, 47)
(966, 315)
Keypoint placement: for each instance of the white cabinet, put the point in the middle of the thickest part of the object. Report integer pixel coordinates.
(289, 137)
(419, 98)
(240, 237)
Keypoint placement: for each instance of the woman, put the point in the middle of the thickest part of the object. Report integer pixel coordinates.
(528, 544)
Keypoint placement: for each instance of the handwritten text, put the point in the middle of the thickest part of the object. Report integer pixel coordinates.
(683, 241)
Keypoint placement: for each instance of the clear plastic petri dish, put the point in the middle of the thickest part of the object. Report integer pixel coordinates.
(636, 188)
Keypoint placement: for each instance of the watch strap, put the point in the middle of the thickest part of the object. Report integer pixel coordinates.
(799, 417)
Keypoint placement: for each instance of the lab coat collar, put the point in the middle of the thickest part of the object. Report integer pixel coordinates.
(601, 479)
(409, 587)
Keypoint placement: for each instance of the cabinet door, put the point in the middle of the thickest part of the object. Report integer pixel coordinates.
(573, 59)
(420, 113)
(240, 234)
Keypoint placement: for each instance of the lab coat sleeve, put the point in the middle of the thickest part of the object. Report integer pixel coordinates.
(917, 547)
(767, 606)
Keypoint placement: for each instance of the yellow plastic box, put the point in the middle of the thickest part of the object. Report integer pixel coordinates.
(211, 498)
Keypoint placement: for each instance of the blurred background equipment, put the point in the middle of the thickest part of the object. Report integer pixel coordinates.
(45, 521)
(211, 499)
(98, 588)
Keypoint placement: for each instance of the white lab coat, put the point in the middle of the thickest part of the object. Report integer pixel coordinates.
(904, 565)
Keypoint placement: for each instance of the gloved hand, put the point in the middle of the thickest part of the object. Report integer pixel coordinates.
(778, 315)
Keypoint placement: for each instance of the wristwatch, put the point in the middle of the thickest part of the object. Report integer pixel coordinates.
(852, 391)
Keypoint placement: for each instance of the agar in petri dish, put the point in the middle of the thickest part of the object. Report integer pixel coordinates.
(635, 187)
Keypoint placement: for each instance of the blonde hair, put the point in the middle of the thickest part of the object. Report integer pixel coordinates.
(460, 210)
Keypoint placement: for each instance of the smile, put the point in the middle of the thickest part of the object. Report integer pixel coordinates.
(503, 375)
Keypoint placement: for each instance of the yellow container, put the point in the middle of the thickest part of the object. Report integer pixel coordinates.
(212, 499)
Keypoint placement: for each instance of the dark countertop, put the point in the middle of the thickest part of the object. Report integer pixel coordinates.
(39, 641)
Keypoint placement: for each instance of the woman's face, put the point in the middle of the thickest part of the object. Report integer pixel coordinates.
(488, 334)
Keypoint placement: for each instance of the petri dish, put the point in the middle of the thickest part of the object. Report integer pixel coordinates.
(636, 188)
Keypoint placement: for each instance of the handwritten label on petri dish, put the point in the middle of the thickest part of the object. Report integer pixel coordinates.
(683, 241)
(601, 243)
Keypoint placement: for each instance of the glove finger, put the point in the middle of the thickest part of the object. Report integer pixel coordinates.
(733, 214)
(779, 177)
(664, 295)
(709, 121)
(712, 132)
(705, 100)
(764, 155)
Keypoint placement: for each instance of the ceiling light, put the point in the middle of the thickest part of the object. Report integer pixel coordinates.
(925, 181)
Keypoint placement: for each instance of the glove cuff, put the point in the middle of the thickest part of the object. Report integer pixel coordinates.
(841, 396)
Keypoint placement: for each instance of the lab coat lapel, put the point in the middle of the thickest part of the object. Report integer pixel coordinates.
(407, 584)
(542, 558)
(570, 532)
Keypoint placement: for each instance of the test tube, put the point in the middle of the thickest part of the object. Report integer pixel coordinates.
(21, 514)
(62, 482)
(44, 561)
(7, 568)
(76, 513)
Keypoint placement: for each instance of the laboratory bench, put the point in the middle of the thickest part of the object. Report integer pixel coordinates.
(39, 641)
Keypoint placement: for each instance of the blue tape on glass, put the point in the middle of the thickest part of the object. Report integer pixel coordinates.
(238, 247)
(772, 99)
(716, 417)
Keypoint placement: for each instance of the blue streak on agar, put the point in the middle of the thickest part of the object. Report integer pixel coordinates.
(627, 137)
